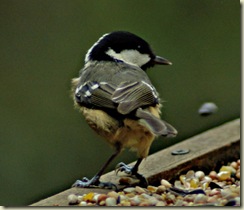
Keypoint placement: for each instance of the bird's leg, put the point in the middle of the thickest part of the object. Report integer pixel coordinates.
(94, 181)
(133, 171)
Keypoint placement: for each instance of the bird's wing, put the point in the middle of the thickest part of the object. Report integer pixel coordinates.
(96, 94)
(125, 97)
(130, 96)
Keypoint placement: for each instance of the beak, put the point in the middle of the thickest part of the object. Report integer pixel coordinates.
(161, 61)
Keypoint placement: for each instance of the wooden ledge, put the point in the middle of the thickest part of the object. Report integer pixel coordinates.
(207, 150)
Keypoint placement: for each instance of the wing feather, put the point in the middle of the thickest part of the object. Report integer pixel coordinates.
(156, 125)
(130, 96)
(95, 94)
(126, 97)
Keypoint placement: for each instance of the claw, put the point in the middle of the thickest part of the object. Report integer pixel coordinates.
(94, 182)
(84, 179)
(122, 167)
(79, 183)
(107, 185)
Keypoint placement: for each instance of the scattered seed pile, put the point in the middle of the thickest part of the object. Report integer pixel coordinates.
(192, 189)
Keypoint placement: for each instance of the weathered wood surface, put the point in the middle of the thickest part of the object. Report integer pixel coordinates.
(207, 151)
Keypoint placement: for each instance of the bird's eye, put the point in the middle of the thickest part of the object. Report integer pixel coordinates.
(139, 46)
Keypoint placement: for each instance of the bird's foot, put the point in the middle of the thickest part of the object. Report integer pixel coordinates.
(132, 171)
(93, 182)
(122, 167)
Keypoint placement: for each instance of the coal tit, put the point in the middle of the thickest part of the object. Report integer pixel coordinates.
(118, 100)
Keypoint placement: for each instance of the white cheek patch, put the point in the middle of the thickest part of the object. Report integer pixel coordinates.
(132, 57)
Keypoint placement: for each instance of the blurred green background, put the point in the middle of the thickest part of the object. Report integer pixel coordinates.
(45, 144)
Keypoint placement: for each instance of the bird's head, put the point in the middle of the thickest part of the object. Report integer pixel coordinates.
(122, 46)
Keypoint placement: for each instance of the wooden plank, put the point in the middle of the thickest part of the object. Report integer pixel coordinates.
(207, 150)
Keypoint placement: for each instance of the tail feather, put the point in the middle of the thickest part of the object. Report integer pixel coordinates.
(156, 125)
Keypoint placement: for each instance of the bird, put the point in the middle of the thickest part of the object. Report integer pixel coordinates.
(118, 100)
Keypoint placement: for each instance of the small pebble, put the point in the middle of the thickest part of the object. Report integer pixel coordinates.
(157, 196)
(187, 184)
(194, 183)
(90, 204)
(80, 198)
(213, 175)
(161, 189)
(165, 183)
(125, 203)
(152, 201)
(144, 203)
(238, 175)
(238, 201)
(170, 198)
(218, 188)
(110, 202)
(207, 179)
(223, 175)
(129, 190)
(135, 201)
(73, 199)
(200, 175)
(102, 203)
(200, 198)
(101, 197)
(152, 188)
(215, 191)
(184, 203)
(145, 196)
(234, 165)
(123, 198)
(190, 174)
(179, 202)
(228, 169)
(139, 190)
(228, 194)
(212, 199)
(113, 194)
(205, 185)
(183, 179)
(121, 193)
(88, 197)
(189, 198)
(130, 195)
(178, 184)
(160, 203)
(82, 203)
